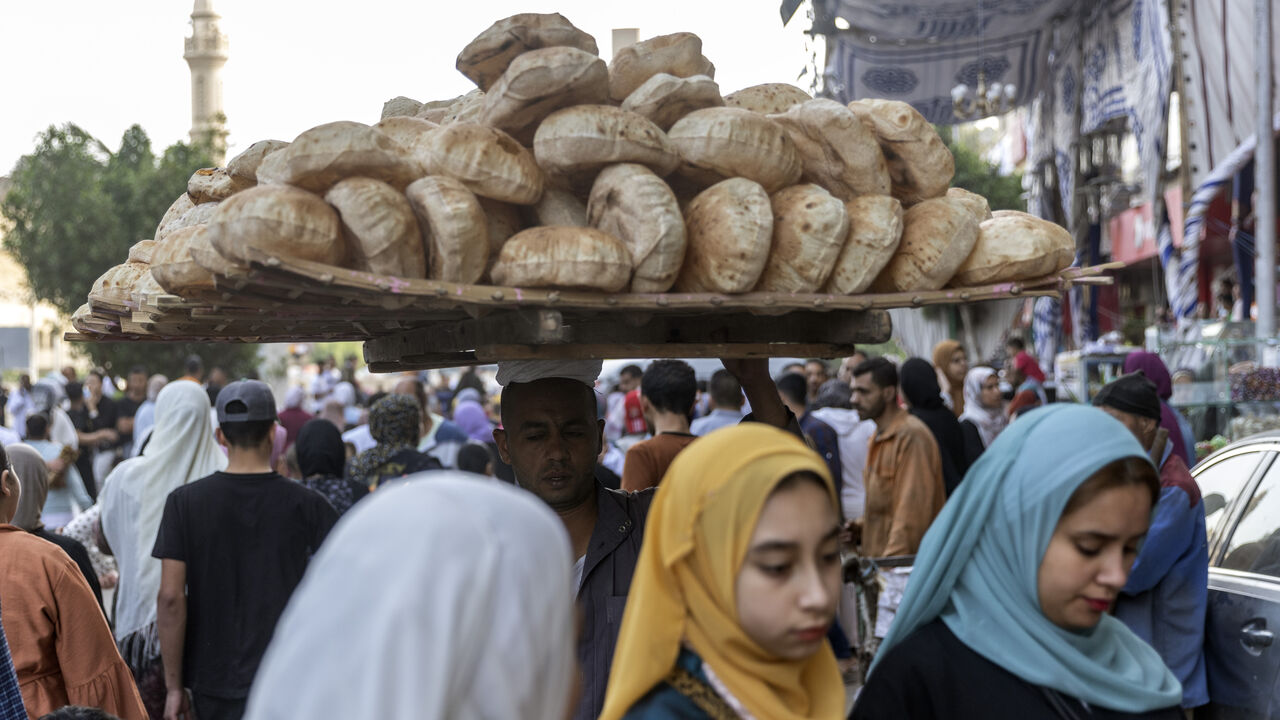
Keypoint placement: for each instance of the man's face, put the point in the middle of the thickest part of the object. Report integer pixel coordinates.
(25, 382)
(627, 383)
(93, 385)
(815, 374)
(551, 438)
(869, 399)
(218, 378)
(137, 384)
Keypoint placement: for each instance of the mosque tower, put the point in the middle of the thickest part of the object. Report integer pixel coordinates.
(206, 52)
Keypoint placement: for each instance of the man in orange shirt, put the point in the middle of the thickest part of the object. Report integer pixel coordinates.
(668, 391)
(903, 478)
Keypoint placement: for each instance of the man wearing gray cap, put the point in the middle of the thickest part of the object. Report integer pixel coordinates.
(551, 435)
(232, 546)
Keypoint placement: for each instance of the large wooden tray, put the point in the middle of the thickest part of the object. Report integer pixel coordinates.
(411, 323)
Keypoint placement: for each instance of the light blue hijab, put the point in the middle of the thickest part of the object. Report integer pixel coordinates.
(978, 565)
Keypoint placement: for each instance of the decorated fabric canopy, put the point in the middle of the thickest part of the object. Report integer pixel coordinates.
(917, 52)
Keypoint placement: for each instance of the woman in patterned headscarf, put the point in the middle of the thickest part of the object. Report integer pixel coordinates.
(395, 422)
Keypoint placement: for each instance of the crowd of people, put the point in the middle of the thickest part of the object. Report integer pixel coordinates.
(660, 547)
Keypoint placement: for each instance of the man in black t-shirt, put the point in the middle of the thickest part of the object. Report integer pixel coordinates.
(233, 547)
(135, 393)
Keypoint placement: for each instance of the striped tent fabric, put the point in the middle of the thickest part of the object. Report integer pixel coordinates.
(1184, 288)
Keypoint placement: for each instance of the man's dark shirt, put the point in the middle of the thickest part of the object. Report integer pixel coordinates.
(127, 407)
(246, 541)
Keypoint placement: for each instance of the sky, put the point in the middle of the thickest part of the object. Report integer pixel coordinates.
(294, 65)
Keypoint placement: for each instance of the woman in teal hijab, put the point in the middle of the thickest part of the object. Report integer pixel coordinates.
(1006, 614)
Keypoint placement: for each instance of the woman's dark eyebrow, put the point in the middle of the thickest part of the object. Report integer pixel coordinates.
(792, 546)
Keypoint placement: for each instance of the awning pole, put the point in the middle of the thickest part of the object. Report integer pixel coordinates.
(1265, 166)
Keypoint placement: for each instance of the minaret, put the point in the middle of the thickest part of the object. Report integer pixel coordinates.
(206, 52)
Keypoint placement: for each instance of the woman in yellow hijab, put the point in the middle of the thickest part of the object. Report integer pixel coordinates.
(736, 587)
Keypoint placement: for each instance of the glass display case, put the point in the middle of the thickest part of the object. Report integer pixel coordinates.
(1221, 382)
(1080, 375)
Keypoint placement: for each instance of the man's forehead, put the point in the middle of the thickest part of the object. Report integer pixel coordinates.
(552, 395)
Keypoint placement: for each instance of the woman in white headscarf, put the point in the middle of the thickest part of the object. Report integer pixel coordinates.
(984, 416)
(182, 450)
(471, 617)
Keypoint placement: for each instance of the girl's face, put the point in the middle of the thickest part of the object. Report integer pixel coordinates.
(990, 396)
(1090, 555)
(789, 584)
(958, 367)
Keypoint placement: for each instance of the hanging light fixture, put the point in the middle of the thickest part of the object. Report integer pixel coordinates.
(974, 103)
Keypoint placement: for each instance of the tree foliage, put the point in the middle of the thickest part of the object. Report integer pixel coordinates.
(75, 208)
(973, 173)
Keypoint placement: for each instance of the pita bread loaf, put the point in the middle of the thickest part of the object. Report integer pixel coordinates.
(875, 231)
(665, 98)
(724, 142)
(767, 99)
(379, 228)
(557, 207)
(502, 220)
(174, 267)
(142, 251)
(937, 236)
(453, 227)
(486, 161)
(678, 54)
(146, 288)
(435, 110)
(919, 163)
(540, 82)
(199, 215)
(245, 165)
(977, 204)
(277, 220)
(564, 257)
(837, 151)
(809, 229)
(215, 184)
(465, 108)
(400, 106)
(116, 285)
(411, 134)
(577, 142)
(729, 228)
(486, 58)
(175, 211)
(325, 154)
(632, 204)
(1013, 246)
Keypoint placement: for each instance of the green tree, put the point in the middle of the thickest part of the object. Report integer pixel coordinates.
(1003, 192)
(75, 208)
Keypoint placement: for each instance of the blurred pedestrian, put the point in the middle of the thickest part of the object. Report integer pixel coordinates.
(1180, 433)
(668, 390)
(470, 416)
(615, 415)
(293, 417)
(104, 415)
(181, 451)
(924, 397)
(1027, 379)
(441, 438)
(835, 408)
(135, 394)
(33, 477)
(21, 403)
(475, 458)
(822, 438)
(847, 365)
(322, 458)
(145, 419)
(903, 478)
(1006, 612)
(984, 417)
(952, 364)
(470, 617)
(816, 372)
(67, 494)
(394, 422)
(1167, 595)
(61, 646)
(714, 629)
(232, 547)
(726, 404)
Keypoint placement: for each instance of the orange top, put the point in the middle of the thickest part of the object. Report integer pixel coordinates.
(904, 487)
(63, 651)
(648, 461)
